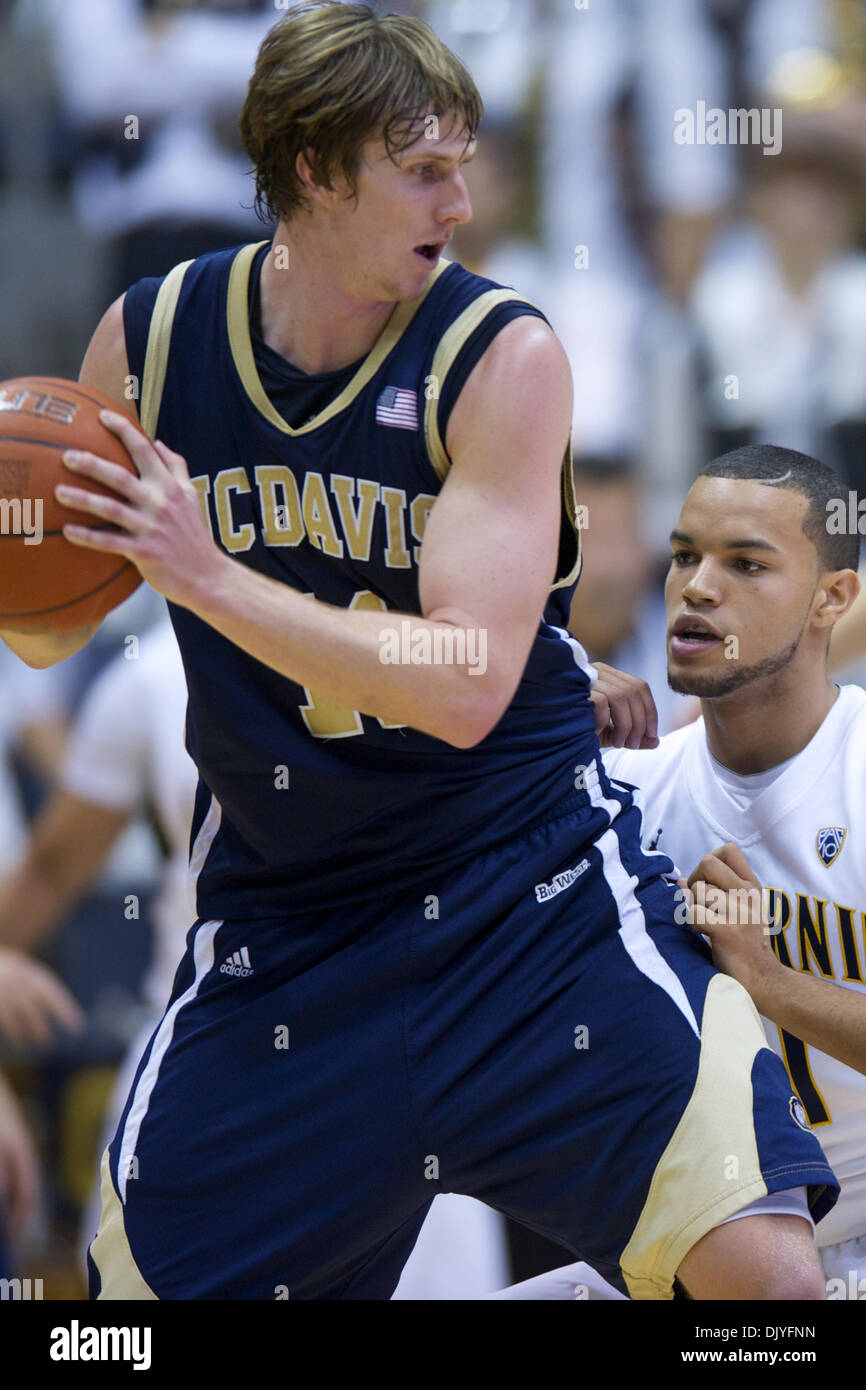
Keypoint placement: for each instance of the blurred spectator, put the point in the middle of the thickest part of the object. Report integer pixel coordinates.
(667, 54)
(651, 57)
(495, 243)
(780, 310)
(499, 41)
(19, 1176)
(779, 57)
(32, 713)
(618, 610)
(125, 755)
(149, 93)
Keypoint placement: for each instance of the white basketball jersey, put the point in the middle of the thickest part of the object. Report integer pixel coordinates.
(803, 836)
(126, 751)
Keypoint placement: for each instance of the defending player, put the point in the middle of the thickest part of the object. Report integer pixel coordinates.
(777, 765)
(411, 901)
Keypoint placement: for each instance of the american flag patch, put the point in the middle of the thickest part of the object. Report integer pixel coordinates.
(398, 407)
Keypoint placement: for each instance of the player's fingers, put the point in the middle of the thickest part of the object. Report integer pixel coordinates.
(111, 542)
(136, 443)
(639, 715)
(626, 719)
(651, 718)
(633, 718)
(733, 856)
(113, 475)
(714, 871)
(602, 715)
(107, 508)
(175, 463)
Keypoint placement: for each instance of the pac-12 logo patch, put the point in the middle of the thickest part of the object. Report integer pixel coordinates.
(829, 842)
(798, 1113)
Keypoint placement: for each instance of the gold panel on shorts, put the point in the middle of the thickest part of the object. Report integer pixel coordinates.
(690, 1193)
(110, 1250)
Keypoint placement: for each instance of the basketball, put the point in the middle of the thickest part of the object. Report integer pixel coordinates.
(46, 582)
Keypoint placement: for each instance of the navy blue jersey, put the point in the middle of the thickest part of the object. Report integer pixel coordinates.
(325, 484)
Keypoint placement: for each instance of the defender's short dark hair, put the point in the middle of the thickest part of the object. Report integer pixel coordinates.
(786, 468)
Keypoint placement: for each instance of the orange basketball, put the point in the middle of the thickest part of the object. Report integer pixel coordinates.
(46, 583)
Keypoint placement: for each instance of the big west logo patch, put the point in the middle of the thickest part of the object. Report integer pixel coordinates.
(829, 842)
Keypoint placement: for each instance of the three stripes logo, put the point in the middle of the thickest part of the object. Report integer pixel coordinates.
(238, 963)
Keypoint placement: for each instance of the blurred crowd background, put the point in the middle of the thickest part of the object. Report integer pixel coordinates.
(708, 295)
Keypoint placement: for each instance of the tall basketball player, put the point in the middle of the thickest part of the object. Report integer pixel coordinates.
(431, 954)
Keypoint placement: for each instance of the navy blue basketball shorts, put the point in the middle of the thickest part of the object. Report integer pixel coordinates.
(532, 1028)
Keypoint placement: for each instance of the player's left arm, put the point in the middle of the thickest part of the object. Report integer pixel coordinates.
(819, 1012)
(487, 562)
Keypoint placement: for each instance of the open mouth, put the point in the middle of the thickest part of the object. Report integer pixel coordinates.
(430, 251)
(692, 638)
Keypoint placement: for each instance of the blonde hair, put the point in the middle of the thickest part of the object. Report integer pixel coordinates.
(328, 78)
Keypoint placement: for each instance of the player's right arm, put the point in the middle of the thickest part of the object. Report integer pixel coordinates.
(105, 366)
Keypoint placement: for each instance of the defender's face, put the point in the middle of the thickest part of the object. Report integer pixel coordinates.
(740, 585)
(406, 211)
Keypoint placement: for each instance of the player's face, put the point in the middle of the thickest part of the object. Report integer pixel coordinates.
(739, 588)
(405, 212)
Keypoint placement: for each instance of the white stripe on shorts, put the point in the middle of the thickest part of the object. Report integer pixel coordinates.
(633, 933)
(201, 849)
(203, 957)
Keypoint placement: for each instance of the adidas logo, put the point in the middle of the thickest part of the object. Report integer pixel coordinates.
(238, 963)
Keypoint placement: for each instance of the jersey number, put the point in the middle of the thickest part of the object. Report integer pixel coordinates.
(323, 716)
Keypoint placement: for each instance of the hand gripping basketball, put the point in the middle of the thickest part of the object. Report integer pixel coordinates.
(158, 517)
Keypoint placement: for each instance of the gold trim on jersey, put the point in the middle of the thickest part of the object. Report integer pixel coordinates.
(452, 340)
(711, 1167)
(110, 1252)
(450, 344)
(158, 339)
(240, 343)
(571, 512)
